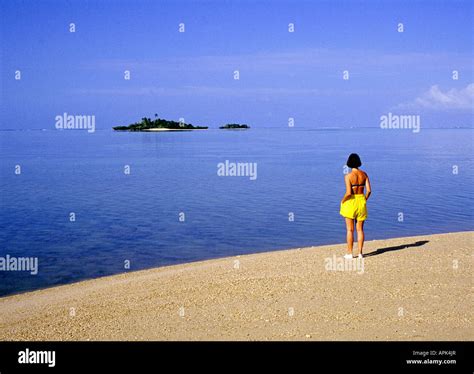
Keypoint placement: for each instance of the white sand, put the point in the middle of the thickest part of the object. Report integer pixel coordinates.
(413, 293)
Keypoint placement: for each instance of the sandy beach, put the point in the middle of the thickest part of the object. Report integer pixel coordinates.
(414, 288)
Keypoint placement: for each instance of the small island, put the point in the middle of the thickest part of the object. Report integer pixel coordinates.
(158, 124)
(234, 126)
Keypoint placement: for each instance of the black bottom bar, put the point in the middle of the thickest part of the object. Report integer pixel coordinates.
(432, 357)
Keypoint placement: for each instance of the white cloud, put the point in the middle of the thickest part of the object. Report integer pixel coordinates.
(435, 98)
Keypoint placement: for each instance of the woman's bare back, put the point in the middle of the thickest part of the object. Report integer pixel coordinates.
(358, 179)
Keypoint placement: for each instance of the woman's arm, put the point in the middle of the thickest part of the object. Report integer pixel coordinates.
(348, 193)
(367, 188)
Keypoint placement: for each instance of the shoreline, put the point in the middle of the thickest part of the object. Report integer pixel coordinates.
(157, 129)
(165, 129)
(236, 256)
(409, 289)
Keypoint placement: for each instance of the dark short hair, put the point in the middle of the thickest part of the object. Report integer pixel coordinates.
(353, 161)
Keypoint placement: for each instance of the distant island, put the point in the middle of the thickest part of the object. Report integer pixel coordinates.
(158, 124)
(233, 126)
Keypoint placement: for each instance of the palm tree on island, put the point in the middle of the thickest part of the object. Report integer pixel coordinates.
(158, 124)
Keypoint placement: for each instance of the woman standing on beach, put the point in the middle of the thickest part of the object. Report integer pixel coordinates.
(353, 204)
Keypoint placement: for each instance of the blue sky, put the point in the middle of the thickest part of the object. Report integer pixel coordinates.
(191, 74)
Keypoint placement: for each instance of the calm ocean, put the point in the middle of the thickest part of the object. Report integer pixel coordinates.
(426, 176)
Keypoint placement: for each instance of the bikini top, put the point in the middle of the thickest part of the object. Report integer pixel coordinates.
(357, 185)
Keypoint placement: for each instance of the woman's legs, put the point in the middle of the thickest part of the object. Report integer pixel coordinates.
(350, 234)
(360, 236)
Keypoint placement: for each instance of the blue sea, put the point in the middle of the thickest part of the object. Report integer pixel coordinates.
(135, 217)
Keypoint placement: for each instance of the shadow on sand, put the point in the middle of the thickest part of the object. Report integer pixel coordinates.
(396, 248)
